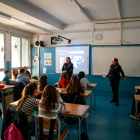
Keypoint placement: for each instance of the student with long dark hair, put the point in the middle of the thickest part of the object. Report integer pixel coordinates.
(73, 91)
(50, 106)
(28, 103)
(42, 85)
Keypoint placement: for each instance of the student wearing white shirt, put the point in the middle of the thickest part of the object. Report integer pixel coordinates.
(83, 81)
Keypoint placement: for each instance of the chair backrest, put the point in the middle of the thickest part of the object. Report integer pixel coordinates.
(47, 122)
(84, 88)
(15, 73)
(3, 82)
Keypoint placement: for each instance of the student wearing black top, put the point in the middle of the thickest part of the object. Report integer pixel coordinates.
(114, 77)
(73, 91)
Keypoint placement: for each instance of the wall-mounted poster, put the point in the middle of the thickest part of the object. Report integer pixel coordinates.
(47, 56)
(47, 62)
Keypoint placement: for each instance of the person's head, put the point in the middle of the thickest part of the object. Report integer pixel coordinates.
(49, 98)
(67, 60)
(74, 85)
(25, 68)
(6, 72)
(81, 75)
(115, 61)
(22, 71)
(29, 90)
(42, 82)
(64, 75)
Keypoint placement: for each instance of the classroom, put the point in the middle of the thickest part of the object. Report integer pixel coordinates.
(69, 70)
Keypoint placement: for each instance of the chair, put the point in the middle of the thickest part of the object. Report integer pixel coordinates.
(84, 88)
(18, 90)
(46, 125)
(15, 73)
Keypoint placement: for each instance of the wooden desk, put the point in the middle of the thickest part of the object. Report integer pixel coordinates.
(137, 99)
(137, 87)
(93, 86)
(76, 110)
(5, 90)
(85, 94)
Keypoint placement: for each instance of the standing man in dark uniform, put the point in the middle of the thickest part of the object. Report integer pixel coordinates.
(114, 77)
(68, 67)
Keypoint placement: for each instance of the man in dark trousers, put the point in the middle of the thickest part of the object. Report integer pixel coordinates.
(68, 67)
(114, 77)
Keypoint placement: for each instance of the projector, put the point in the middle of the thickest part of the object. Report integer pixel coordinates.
(57, 40)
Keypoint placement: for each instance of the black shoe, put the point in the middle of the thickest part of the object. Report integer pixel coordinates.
(117, 104)
(112, 101)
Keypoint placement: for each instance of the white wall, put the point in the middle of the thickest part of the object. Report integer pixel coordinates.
(84, 33)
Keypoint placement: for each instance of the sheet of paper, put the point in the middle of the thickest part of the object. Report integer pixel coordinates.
(47, 56)
(47, 62)
(44, 69)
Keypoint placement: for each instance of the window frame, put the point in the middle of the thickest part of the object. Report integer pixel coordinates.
(4, 34)
(29, 51)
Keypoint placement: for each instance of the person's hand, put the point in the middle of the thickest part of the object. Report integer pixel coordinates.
(66, 111)
(104, 76)
(65, 71)
(126, 78)
(58, 93)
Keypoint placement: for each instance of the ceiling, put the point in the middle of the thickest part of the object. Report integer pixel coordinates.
(53, 14)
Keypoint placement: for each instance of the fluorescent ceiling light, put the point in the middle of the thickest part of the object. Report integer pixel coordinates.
(36, 27)
(5, 16)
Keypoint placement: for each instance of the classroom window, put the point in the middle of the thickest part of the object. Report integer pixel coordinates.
(1, 51)
(25, 52)
(15, 50)
(1, 75)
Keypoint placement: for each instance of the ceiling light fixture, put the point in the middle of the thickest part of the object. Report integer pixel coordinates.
(36, 27)
(5, 16)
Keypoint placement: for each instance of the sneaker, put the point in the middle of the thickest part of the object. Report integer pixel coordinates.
(112, 101)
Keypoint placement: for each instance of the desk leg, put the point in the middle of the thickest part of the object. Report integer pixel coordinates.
(136, 106)
(79, 128)
(87, 125)
(94, 97)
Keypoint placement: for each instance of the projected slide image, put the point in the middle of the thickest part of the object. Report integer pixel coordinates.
(79, 57)
(62, 61)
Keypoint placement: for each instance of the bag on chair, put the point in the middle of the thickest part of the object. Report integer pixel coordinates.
(12, 133)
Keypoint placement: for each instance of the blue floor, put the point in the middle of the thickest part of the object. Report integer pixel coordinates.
(109, 122)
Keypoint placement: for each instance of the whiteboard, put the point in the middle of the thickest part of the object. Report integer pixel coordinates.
(129, 59)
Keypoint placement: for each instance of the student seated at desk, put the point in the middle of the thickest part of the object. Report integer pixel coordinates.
(83, 81)
(22, 78)
(50, 106)
(73, 92)
(63, 81)
(133, 108)
(27, 73)
(28, 104)
(6, 77)
(42, 85)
